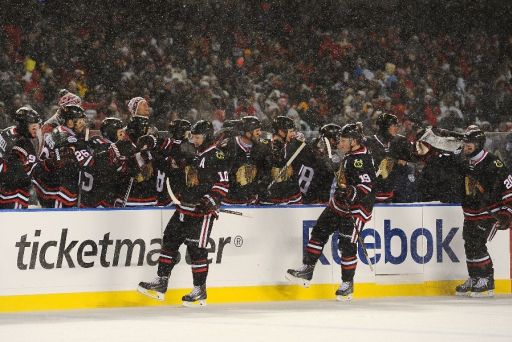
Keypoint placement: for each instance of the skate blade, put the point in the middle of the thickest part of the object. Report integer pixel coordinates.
(197, 303)
(485, 294)
(463, 294)
(344, 298)
(300, 281)
(151, 293)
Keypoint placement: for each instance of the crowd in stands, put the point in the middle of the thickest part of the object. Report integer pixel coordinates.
(262, 58)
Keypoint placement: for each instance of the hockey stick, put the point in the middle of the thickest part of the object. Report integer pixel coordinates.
(288, 163)
(352, 221)
(80, 175)
(176, 201)
(127, 194)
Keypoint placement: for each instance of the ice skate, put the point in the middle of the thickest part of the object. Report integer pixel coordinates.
(345, 291)
(154, 289)
(465, 288)
(483, 287)
(196, 297)
(301, 276)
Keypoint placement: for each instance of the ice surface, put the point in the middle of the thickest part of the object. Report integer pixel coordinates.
(410, 319)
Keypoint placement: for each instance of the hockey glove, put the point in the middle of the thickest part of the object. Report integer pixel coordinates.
(207, 206)
(345, 194)
(503, 221)
(146, 142)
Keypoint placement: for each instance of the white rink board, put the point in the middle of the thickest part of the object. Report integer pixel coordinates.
(413, 241)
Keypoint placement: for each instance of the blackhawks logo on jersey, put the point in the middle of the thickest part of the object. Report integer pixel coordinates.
(191, 176)
(358, 163)
(246, 174)
(219, 155)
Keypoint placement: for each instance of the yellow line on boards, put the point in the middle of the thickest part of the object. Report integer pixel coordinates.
(243, 294)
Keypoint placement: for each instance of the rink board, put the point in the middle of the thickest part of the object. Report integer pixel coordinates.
(60, 259)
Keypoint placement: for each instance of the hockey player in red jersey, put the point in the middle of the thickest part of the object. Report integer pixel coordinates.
(349, 208)
(17, 159)
(487, 207)
(191, 224)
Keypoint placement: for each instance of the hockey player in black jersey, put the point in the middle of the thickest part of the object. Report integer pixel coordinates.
(141, 188)
(102, 177)
(246, 157)
(317, 167)
(349, 208)
(207, 180)
(64, 153)
(487, 207)
(283, 180)
(17, 159)
(171, 159)
(391, 153)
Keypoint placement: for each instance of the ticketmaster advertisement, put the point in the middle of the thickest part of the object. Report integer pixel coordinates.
(67, 251)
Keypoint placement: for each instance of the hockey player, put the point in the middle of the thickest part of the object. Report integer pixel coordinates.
(171, 160)
(66, 98)
(141, 188)
(487, 206)
(192, 222)
(102, 177)
(349, 208)
(17, 159)
(64, 154)
(245, 154)
(317, 167)
(282, 179)
(391, 153)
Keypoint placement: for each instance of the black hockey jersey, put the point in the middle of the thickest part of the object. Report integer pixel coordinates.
(17, 160)
(386, 154)
(285, 187)
(316, 172)
(357, 171)
(205, 176)
(245, 163)
(56, 177)
(487, 187)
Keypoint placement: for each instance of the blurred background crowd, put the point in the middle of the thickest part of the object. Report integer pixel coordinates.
(442, 63)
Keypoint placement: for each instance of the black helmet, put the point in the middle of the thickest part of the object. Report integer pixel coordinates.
(178, 128)
(330, 131)
(282, 122)
(72, 112)
(234, 124)
(109, 128)
(384, 121)
(250, 123)
(477, 137)
(137, 127)
(25, 116)
(353, 131)
(204, 128)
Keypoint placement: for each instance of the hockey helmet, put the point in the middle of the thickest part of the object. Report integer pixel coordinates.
(330, 131)
(72, 112)
(109, 128)
(204, 128)
(353, 131)
(384, 121)
(234, 124)
(477, 137)
(250, 123)
(178, 128)
(137, 127)
(25, 116)
(282, 123)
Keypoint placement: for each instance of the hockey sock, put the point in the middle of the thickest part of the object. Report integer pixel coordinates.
(166, 262)
(312, 252)
(348, 267)
(480, 267)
